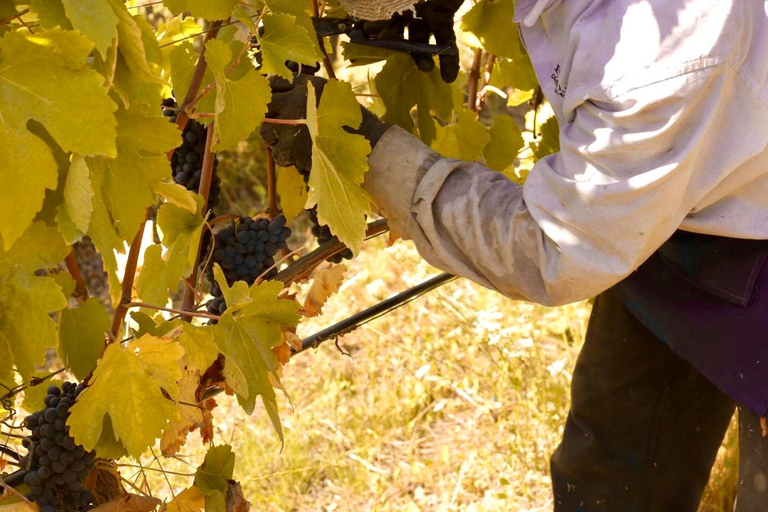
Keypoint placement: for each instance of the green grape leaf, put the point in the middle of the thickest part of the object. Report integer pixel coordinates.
(292, 192)
(95, 19)
(81, 336)
(548, 140)
(339, 163)
(464, 140)
(177, 194)
(240, 105)
(178, 28)
(7, 9)
(50, 13)
(128, 385)
(78, 193)
(402, 86)
(108, 447)
(181, 230)
(34, 396)
(505, 144)
(517, 73)
(156, 277)
(143, 138)
(146, 325)
(362, 54)
(44, 77)
(302, 10)
(26, 328)
(65, 282)
(235, 294)
(208, 9)
(200, 349)
(102, 231)
(491, 22)
(213, 476)
(246, 334)
(284, 39)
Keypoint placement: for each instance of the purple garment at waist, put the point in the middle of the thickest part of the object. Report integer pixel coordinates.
(707, 298)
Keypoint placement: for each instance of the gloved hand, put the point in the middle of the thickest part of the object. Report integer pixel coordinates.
(433, 17)
(291, 144)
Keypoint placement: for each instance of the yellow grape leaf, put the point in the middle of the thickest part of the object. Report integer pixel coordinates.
(136, 50)
(339, 163)
(143, 138)
(95, 19)
(240, 105)
(285, 39)
(326, 283)
(464, 140)
(178, 28)
(192, 413)
(45, 77)
(505, 144)
(78, 193)
(191, 499)
(176, 194)
(292, 191)
(81, 336)
(199, 348)
(26, 328)
(547, 139)
(129, 385)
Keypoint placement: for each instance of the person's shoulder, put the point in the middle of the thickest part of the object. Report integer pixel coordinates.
(628, 44)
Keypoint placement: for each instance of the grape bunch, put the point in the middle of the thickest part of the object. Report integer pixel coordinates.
(246, 249)
(323, 234)
(57, 466)
(187, 160)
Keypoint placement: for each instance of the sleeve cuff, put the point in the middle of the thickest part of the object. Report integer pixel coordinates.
(396, 166)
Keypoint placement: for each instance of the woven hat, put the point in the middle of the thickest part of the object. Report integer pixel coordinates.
(373, 10)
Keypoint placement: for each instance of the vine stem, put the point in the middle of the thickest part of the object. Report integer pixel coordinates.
(206, 175)
(326, 60)
(171, 310)
(74, 270)
(293, 122)
(11, 18)
(474, 78)
(14, 492)
(486, 80)
(128, 277)
(272, 208)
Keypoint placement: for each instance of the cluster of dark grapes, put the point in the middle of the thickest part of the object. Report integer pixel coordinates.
(245, 250)
(57, 466)
(323, 234)
(187, 160)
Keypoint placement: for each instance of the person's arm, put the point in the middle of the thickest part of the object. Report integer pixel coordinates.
(629, 171)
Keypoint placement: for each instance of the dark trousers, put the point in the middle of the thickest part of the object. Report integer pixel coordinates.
(645, 426)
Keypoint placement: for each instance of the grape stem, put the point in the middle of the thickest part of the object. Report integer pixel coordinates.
(272, 208)
(483, 93)
(74, 270)
(171, 310)
(128, 278)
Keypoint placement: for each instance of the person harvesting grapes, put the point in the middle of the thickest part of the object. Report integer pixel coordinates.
(656, 203)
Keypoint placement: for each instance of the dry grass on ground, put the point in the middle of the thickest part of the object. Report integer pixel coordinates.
(454, 402)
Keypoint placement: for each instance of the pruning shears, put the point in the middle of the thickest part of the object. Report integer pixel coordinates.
(326, 26)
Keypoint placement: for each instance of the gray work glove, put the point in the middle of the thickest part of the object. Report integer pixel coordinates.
(291, 144)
